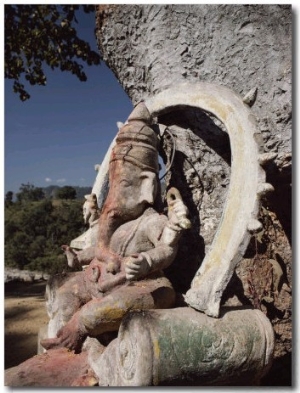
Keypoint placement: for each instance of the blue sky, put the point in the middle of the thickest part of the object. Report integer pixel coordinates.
(65, 128)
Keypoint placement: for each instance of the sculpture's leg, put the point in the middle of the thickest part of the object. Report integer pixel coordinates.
(64, 298)
(104, 315)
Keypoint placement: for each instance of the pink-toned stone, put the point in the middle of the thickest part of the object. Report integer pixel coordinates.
(55, 368)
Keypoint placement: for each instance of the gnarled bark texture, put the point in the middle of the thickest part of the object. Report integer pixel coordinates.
(153, 47)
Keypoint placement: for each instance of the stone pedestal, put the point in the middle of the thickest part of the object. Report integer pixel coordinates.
(185, 347)
(174, 347)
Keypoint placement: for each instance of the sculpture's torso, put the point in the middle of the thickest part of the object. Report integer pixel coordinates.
(138, 235)
(133, 237)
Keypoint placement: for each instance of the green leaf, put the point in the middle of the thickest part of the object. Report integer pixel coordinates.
(44, 34)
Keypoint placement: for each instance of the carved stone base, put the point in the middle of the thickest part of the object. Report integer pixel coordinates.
(185, 347)
(175, 347)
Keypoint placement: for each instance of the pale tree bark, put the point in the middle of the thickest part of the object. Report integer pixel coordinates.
(153, 47)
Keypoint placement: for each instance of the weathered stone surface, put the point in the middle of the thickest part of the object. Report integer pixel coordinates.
(247, 185)
(135, 243)
(184, 347)
(153, 47)
(56, 368)
(264, 279)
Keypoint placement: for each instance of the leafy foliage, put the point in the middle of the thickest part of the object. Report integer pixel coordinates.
(35, 230)
(66, 192)
(51, 191)
(28, 192)
(9, 198)
(44, 34)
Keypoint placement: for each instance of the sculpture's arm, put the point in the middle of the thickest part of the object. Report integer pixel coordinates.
(178, 221)
(164, 234)
(140, 265)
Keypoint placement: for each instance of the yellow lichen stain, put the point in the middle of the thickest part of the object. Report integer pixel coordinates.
(112, 312)
(156, 349)
(219, 109)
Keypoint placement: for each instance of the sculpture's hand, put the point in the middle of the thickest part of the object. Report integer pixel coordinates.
(136, 266)
(70, 336)
(178, 214)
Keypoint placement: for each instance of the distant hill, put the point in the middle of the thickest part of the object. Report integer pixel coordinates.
(50, 191)
(82, 191)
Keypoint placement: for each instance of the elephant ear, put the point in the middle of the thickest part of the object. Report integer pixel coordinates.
(247, 185)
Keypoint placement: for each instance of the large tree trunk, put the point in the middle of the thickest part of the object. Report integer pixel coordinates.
(154, 47)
